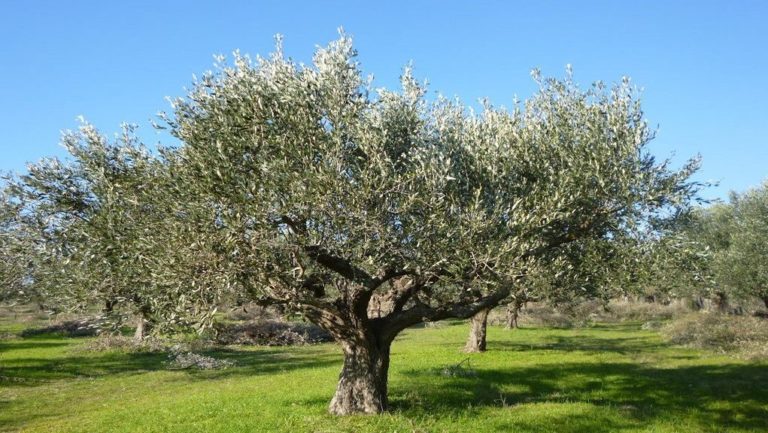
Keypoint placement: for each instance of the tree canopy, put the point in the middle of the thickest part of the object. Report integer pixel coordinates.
(735, 233)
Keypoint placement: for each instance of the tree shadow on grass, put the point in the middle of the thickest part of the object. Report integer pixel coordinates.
(261, 361)
(584, 343)
(34, 371)
(248, 362)
(29, 344)
(726, 396)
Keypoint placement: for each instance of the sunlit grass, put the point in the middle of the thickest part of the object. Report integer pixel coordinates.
(600, 379)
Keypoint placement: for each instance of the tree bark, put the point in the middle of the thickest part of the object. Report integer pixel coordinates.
(477, 332)
(765, 301)
(362, 384)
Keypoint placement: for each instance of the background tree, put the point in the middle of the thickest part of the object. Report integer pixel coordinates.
(29, 256)
(14, 257)
(119, 234)
(709, 228)
(579, 271)
(735, 235)
(745, 266)
(651, 256)
(330, 194)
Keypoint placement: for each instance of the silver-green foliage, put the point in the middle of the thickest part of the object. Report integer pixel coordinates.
(328, 188)
(14, 255)
(736, 232)
(112, 229)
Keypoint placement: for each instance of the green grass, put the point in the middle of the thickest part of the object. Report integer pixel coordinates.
(614, 378)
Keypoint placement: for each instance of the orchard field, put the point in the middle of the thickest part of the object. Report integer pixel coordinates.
(370, 223)
(600, 378)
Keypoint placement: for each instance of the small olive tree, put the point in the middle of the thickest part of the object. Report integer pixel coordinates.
(14, 253)
(114, 230)
(746, 264)
(372, 211)
(30, 254)
(735, 234)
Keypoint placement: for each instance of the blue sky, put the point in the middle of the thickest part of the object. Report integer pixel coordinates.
(702, 64)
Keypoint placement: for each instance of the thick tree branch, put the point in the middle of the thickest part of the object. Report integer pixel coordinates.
(397, 321)
(407, 291)
(339, 265)
(404, 294)
(322, 314)
(387, 275)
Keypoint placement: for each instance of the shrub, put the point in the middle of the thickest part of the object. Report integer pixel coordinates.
(459, 370)
(580, 314)
(632, 311)
(111, 342)
(179, 359)
(67, 328)
(270, 333)
(744, 336)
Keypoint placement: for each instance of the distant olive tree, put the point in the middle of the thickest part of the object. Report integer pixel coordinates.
(332, 194)
(736, 234)
(113, 230)
(14, 254)
(29, 257)
(600, 268)
(746, 264)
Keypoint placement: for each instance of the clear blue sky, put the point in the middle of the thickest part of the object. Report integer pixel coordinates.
(703, 64)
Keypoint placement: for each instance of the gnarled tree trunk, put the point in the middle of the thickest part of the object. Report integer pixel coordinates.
(698, 303)
(366, 332)
(362, 384)
(477, 332)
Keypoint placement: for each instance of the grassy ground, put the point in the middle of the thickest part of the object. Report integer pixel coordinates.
(614, 378)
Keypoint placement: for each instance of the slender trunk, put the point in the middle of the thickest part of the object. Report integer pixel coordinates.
(362, 384)
(513, 312)
(143, 325)
(721, 301)
(477, 332)
(140, 329)
(765, 301)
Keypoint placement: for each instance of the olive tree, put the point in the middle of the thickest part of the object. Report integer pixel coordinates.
(335, 196)
(13, 252)
(735, 233)
(116, 232)
(650, 254)
(29, 255)
(709, 230)
(747, 260)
